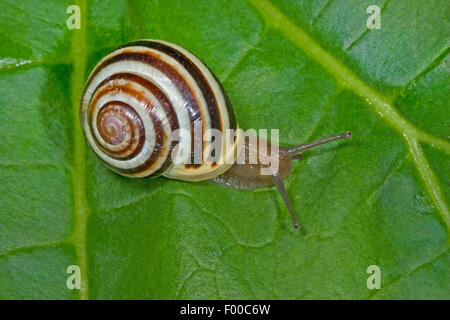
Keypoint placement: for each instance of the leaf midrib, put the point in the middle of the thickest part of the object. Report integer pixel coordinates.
(81, 208)
(382, 105)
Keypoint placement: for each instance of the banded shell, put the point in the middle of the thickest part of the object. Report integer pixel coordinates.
(139, 95)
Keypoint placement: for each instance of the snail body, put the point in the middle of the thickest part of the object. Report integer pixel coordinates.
(139, 97)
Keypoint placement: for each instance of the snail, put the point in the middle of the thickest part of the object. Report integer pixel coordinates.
(146, 111)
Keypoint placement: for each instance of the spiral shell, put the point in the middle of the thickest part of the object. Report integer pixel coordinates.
(137, 96)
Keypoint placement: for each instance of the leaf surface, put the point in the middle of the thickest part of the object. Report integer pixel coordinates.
(308, 68)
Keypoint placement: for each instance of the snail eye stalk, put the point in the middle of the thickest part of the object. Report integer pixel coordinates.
(302, 147)
(295, 153)
(279, 184)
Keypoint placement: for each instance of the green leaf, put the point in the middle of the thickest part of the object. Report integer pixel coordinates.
(308, 68)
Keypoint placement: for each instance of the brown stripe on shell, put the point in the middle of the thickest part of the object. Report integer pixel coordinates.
(181, 83)
(159, 95)
(202, 82)
(128, 151)
(160, 136)
(152, 59)
(195, 72)
(157, 152)
(153, 88)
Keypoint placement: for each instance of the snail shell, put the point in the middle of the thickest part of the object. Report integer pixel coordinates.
(139, 95)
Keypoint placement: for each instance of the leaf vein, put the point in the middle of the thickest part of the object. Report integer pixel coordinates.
(321, 12)
(366, 30)
(381, 104)
(81, 208)
(45, 245)
(244, 55)
(429, 261)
